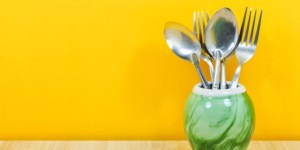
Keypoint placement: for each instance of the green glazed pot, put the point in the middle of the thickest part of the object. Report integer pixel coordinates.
(219, 119)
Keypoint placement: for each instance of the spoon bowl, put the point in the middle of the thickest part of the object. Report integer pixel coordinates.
(185, 45)
(181, 41)
(221, 32)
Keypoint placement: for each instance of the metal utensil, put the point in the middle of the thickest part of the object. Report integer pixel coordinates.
(205, 54)
(221, 35)
(223, 72)
(245, 50)
(185, 45)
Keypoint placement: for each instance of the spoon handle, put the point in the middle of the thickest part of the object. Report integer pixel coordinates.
(223, 76)
(215, 85)
(201, 75)
(236, 77)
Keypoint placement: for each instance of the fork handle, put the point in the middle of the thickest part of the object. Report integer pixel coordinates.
(215, 85)
(236, 77)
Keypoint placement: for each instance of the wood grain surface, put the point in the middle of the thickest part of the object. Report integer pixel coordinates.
(132, 145)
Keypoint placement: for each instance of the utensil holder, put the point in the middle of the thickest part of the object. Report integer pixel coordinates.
(219, 119)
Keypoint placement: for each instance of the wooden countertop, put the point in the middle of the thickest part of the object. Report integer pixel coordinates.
(132, 145)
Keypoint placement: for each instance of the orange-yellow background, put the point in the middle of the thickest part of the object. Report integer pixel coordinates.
(95, 69)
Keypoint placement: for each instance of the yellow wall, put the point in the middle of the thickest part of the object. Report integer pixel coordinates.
(95, 69)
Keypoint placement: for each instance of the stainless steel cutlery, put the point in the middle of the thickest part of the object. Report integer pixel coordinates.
(245, 50)
(185, 45)
(221, 35)
(205, 55)
(218, 41)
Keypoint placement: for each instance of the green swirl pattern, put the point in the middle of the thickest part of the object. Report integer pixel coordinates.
(219, 123)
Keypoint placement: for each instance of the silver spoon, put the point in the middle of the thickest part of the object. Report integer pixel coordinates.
(185, 45)
(221, 35)
(223, 76)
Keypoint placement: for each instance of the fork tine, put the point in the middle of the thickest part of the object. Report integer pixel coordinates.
(242, 27)
(251, 35)
(195, 25)
(207, 18)
(257, 30)
(203, 23)
(200, 32)
(246, 33)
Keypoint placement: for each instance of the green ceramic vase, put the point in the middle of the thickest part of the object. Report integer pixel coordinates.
(219, 119)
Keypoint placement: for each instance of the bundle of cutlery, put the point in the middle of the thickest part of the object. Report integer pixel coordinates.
(218, 41)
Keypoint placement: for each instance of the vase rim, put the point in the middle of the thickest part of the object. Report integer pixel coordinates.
(198, 89)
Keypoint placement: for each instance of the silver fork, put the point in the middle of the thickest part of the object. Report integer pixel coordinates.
(204, 54)
(245, 51)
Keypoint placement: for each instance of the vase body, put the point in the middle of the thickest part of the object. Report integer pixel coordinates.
(219, 119)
